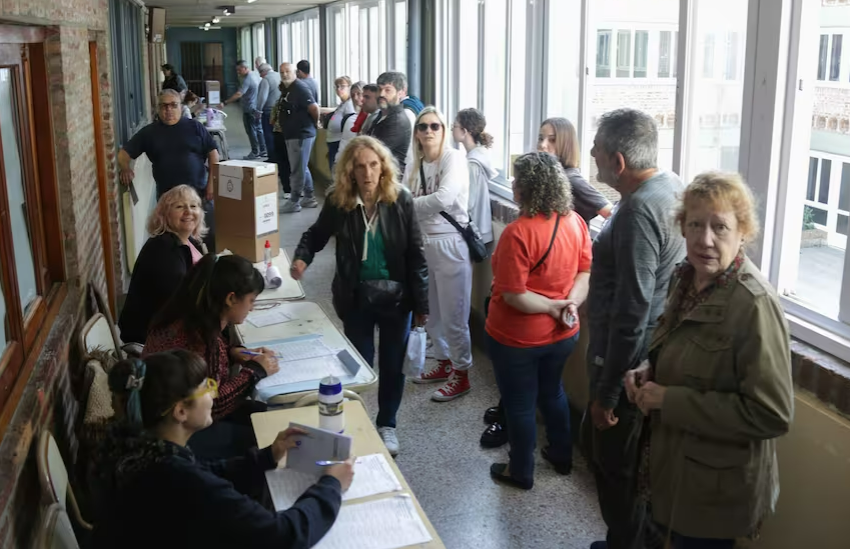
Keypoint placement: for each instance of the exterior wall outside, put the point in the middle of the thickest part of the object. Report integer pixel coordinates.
(47, 401)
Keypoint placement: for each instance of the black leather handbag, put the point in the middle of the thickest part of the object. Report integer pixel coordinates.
(478, 251)
(380, 295)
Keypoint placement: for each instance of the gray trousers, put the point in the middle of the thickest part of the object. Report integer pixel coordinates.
(300, 179)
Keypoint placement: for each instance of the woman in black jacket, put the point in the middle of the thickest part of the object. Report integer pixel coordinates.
(176, 228)
(381, 275)
(152, 492)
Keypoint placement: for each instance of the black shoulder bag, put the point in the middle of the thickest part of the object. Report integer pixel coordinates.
(477, 249)
(536, 265)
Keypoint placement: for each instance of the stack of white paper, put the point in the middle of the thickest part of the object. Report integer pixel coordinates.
(387, 523)
(269, 317)
(372, 475)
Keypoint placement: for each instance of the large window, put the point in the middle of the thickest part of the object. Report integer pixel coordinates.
(29, 235)
(298, 38)
(259, 35)
(126, 23)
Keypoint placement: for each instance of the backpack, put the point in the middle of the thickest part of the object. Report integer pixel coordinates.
(413, 103)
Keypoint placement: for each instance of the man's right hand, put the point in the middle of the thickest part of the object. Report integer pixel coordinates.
(127, 176)
(296, 271)
(602, 418)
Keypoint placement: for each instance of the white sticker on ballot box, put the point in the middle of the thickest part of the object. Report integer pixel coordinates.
(230, 187)
(266, 212)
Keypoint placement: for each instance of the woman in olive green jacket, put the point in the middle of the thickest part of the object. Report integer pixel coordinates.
(717, 387)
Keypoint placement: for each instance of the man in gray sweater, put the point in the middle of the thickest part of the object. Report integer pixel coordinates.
(633, 259)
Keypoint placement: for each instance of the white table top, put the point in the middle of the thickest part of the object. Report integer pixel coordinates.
(309, 319)
(289, 289)
(365, 441)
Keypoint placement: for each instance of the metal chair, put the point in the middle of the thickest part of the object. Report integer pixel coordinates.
(56, 531)
(313, 397)
(53, 477)
(97, 332)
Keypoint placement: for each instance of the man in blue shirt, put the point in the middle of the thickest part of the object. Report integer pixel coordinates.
(298, 115)
(303, 74)
(177, 148)
(248, 94)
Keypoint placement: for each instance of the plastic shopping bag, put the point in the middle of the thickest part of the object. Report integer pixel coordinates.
(414, 358)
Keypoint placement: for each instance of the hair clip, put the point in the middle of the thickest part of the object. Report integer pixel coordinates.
(134, 382)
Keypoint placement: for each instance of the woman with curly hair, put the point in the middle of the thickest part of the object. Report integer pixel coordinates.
(541, 272)
(381, 274)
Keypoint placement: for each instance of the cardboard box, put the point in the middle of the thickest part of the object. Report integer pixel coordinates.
(213, 92)
(246, 208)
(157, 25)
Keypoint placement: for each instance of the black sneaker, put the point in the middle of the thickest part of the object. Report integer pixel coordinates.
(493, 414)
(495, 435)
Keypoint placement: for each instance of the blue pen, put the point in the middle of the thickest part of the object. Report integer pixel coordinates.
(327, 463)
(252, 353)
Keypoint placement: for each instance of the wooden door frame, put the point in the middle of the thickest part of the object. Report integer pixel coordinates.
(102, 189)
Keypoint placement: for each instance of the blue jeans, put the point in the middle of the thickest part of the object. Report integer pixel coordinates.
(300, 178)
(393, 330)
(530, 377)
(254, 129)
(268, 135)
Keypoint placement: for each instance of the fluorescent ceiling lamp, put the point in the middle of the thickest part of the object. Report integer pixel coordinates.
(251, 1)
(216, 20)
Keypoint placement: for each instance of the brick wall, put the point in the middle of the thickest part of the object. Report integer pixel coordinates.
(831, 110)
(47, 400)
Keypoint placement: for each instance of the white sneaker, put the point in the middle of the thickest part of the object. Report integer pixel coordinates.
(390, 440)
(290, 207)
(309, 203)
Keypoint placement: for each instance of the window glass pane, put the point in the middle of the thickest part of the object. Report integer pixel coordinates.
(400, 35)
(468, 58)
(708, 55)
(656, 97)
(844, 194)
(825, 174)
(624, 53)
(835, 57)
(641, 53)
(820, 257)
(563, 74)
(375, 35)
(714, 121)
(518, 78)
(822, 52)
(603, 53)
(24, 264)
(356, 44)
(495, 77)
(813, 179)
(665, 50)
(842, 225)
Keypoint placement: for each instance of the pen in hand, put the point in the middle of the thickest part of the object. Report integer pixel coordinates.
(253, 353)
(323, 463)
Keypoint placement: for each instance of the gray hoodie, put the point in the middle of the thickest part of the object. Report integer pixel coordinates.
(481, 172)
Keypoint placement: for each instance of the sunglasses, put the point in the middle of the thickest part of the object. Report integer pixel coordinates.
(210, 387)
(435, 127)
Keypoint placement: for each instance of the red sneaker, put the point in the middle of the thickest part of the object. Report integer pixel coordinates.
(439, 373)
(457, 385)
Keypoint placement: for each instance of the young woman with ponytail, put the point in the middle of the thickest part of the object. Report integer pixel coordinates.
(216, 294)
(468, 130)
(155, 493)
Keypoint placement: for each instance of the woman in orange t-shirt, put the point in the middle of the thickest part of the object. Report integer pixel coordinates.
(541, 271)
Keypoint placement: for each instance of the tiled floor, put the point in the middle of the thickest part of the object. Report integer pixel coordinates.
(440, 456)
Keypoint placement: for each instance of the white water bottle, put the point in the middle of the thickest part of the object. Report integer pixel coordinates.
(331, 417)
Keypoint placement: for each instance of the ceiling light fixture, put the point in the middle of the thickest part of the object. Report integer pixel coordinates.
(216, 20)
(226, 12)
(251, 1)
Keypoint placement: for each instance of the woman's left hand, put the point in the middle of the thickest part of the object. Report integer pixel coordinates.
(650, 397)
(284, 441)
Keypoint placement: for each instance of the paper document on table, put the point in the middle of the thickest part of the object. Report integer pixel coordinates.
(387, 523)
(261, 319)
(288, 351)
(372, 475)
(305, 370)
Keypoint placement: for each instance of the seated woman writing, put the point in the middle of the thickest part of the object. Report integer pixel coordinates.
(218, 293)
(156, 494)
(176, 227)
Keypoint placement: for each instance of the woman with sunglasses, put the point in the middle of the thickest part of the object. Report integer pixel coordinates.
(154, 493)
(216, 294)
(438, 177)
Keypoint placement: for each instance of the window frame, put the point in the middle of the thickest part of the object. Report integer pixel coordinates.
(28, 72)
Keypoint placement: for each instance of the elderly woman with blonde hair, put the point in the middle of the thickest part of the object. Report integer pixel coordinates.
(717, 386)
(176, 228)
(381, 276)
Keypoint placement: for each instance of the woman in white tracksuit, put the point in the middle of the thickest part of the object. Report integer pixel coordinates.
(446, 189)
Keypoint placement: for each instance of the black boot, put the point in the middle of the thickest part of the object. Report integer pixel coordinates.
(493, 414)
(495, 435)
